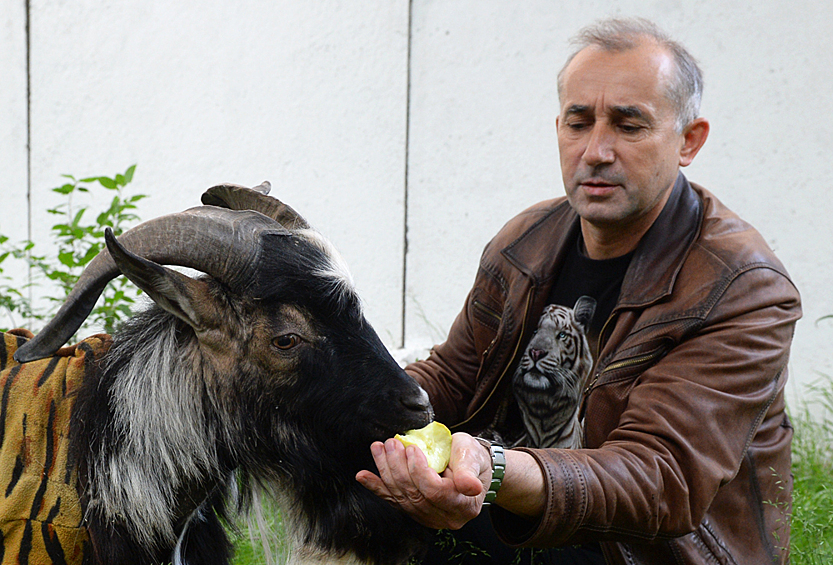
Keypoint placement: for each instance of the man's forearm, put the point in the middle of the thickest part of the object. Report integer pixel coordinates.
(522, 491)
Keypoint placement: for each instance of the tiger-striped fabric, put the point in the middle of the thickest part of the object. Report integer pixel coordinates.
(40, 510)
(552, 373)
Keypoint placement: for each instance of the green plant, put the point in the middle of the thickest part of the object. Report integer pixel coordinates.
(811, 538)
(78, 239)
(12, 300)
(262, 539)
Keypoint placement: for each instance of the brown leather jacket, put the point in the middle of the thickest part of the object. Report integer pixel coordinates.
(687, 455)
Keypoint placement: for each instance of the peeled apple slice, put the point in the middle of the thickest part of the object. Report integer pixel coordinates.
(434, 440)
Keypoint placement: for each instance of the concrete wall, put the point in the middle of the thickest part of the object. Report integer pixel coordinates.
(408, 132)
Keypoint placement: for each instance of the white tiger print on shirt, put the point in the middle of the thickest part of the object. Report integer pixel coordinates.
(552, 374)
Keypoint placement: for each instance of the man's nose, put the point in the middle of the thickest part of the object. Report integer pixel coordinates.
(599, 147)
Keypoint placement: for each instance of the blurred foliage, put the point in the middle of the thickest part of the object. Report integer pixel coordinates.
(78, 238)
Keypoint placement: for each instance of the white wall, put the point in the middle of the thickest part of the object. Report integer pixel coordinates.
(13, 152)
(337, 103)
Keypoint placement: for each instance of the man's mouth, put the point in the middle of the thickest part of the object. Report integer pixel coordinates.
(595, 187)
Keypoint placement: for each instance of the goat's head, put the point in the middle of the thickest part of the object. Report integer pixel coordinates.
(277, 324)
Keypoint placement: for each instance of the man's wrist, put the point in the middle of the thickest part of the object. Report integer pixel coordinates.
(498, 461)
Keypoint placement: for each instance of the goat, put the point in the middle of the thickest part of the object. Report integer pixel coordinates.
(261, 375)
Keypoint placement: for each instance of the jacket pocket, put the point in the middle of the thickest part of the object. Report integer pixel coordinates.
(486, 314)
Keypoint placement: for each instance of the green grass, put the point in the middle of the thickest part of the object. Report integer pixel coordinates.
(811, 540)
(249, 546)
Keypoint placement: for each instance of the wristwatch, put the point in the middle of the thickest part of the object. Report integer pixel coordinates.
(498, 468)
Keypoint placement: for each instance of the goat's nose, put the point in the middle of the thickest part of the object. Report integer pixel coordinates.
(417, 401)
(537, 354)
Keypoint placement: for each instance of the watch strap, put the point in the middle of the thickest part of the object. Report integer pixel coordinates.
(498, 468)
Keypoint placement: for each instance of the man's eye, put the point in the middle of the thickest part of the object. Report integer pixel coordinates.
(628, 128)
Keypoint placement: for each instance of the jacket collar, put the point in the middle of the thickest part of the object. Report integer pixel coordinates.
(656, 261)
(660, 254)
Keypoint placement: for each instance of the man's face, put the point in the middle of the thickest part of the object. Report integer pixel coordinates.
(619, 149)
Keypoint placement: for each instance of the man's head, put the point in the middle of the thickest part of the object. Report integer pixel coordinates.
(623, 132)
(684, 87)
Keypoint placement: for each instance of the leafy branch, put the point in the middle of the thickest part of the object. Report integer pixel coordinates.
(78, 240)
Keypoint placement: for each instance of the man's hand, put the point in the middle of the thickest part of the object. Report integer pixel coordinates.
(437, 501)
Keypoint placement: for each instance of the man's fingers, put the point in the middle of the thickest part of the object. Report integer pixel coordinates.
(426, 479)
(374, 484)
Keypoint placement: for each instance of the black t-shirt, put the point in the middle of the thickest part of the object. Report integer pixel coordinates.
(599, 279)
(579, 276)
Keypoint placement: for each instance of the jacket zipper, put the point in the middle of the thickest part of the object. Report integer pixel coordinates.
(488, 311)
(507, 365)
(622, 364)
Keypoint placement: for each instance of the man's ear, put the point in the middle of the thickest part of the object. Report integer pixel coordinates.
(694, 136)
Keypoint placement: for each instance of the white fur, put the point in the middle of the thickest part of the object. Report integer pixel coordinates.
(336, 270)
(165, 440)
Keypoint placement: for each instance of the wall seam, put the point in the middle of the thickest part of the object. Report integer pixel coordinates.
(405, 216)
(28, 142)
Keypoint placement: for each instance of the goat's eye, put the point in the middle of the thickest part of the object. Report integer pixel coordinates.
(287, 341)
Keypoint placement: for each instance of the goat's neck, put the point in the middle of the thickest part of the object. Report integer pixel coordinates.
(156, 456)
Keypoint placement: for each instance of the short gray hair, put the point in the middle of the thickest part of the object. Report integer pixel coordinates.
(686, 86)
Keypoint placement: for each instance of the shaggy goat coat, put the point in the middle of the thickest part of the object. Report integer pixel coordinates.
(262, 376)
(40, 509)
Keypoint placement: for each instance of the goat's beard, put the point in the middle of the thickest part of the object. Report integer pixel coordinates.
(156, 440)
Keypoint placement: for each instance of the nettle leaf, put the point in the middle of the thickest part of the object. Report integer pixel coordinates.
(107, 182)
(77, 219)
(90, 255)
(66, 258)
(103, 219)
(64, 189)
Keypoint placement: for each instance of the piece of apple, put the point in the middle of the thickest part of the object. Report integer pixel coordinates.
(435, 442)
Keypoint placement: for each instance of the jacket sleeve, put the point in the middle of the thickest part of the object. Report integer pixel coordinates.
(685, 430)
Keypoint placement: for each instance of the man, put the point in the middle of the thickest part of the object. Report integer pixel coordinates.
(687, 444)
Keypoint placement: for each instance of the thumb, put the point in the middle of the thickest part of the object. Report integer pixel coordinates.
(467, 482)
(470, 466)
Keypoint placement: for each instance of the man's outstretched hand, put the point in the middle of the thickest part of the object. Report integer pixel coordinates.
(437, 501)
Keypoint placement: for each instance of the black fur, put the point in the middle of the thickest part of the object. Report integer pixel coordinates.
(305, 436)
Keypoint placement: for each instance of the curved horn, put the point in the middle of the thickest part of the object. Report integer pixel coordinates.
(238, 197)
(222, 243)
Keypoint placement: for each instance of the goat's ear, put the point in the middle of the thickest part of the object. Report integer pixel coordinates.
(184, 297)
